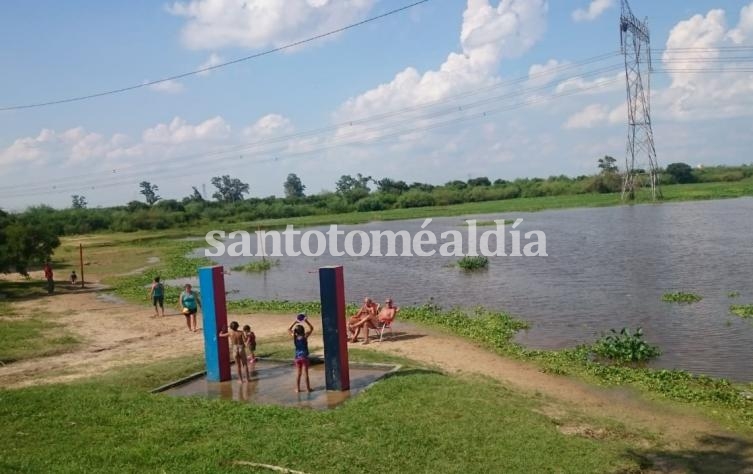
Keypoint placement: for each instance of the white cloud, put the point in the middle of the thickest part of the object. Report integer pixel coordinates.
(594, 10)
(488, 35)
(214, 59)
(594, 86)
(703, 82)
(214, 24)
(591, 116)
(178, 131)
(268, 126)
(541, 74)
(168, 87)
(72, 146)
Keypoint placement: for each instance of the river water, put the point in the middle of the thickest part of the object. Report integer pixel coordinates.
(606, 268)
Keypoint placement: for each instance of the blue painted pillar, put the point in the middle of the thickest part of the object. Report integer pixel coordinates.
(214, 311)
(335, 334)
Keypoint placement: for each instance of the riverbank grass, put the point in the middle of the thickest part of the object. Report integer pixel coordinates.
(26, 336)
(431, 422)
(257, 266)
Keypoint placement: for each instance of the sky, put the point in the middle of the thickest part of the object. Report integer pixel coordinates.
(448, 89)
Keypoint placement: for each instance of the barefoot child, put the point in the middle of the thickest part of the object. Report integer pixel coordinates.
(237, 350)
(300, 341)
(250, 341)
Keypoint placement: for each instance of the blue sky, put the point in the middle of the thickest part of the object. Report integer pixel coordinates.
(182, 134)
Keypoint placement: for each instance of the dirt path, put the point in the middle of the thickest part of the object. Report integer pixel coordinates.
(118, 334)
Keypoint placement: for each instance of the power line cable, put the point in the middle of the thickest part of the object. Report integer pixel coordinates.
(211, 68)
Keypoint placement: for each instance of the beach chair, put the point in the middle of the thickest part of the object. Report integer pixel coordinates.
(382, 327)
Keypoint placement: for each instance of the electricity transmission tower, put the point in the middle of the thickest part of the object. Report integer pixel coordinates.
(635, 44)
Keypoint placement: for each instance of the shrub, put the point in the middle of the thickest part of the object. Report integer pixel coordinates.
(473, 263)
(625, 347)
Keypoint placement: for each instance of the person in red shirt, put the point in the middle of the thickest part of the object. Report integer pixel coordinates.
(49, 277)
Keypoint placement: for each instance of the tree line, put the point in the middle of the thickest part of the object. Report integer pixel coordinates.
(29, 237)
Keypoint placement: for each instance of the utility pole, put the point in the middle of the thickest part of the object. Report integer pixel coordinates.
(635, 44)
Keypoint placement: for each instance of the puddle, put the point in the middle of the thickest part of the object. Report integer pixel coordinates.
(273, 383)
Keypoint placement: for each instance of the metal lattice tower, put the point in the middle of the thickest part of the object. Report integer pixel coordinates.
(635, 43)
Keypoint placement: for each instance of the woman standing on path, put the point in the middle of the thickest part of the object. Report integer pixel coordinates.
(190, 302)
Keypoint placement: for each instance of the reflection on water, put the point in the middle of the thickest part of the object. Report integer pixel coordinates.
(607, 268)
(273, 383)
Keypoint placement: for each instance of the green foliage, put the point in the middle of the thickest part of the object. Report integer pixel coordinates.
(742, 310)
(25, 240)
(680, 172)
(229, 189)
(681, 297)
(149, 191)
(39, 335)
(608, 165)
(470, 263)
(293, 187)
(625, 347)
(733, 294)
(258, 266)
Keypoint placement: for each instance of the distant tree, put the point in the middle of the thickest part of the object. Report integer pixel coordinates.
(421, 187)
(229, 189)
(149, 191)
(293, 186)
(608, 165)
(78, 202)
(390, 186)
(195, 196)
(481, 181)
(353, 189)
(456, 184)
(23, 244)
(500, 182)
(681, 172)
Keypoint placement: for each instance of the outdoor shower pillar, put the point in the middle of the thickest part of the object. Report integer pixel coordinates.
(214, 320)
(335, 334)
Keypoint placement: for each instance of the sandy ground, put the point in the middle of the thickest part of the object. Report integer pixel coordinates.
(116, 334)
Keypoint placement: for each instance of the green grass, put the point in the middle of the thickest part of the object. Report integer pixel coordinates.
(259, 266)
(469, 263)
(742, 310)
(414, 421)
(681, 297)
(24, 337)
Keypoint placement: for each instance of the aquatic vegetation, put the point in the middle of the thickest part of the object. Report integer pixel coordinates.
(742, 310)
(681, 297)
(473, 263)
(625, 346)
(733, 294)
(256, 266)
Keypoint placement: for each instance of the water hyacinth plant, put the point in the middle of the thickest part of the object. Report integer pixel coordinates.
(625, 347)
(473, 263)
(742, 310)
(681, 297)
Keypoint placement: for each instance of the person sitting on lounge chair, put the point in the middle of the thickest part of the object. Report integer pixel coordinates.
(366, 314)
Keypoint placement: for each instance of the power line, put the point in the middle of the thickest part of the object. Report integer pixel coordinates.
(530, 101)
(216, 66)
(182, 160)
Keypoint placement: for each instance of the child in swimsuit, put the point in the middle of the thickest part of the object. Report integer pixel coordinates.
(300, 341)
(238, 350)
(250, 340)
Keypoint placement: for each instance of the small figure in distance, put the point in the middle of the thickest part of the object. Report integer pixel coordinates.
(49, 277)
(300, 341)
(157, 295)
(238, 350)
(74, 277)
(249, 338)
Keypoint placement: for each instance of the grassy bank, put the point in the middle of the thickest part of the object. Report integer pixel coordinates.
(672, 193)
(415, 421)
(38, 335)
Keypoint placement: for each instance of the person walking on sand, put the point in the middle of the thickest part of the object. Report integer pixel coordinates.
(300, 342)
(49, 277)
(74, 277)
(238, 350)
(190, 302)
(157, 295)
